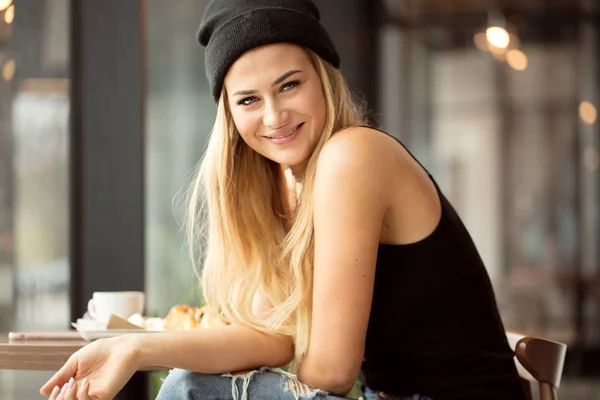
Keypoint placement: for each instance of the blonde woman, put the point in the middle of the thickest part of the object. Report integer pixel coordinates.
(328, 247)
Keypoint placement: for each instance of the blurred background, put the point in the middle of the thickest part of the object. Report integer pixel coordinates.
(104, 112)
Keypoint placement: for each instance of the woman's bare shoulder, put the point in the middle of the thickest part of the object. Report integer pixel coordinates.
(353, 147)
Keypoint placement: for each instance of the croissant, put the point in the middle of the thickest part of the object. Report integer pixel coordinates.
(182, 317)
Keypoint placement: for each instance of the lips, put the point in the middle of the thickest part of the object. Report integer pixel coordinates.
(286, 134)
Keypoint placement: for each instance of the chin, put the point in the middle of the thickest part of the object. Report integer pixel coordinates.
(291, 160)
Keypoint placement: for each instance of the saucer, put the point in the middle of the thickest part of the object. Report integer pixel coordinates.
(89, 325)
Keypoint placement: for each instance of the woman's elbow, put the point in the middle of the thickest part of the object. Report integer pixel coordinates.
(340, 385)
(334, 381)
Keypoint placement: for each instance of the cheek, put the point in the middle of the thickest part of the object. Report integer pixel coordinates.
(319, 111)
(246, 124)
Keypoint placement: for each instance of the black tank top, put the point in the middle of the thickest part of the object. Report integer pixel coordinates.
(434, 327)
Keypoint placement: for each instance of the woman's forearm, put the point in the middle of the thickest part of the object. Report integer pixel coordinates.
(212, 351)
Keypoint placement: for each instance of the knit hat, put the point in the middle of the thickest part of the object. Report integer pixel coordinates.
(229, 28)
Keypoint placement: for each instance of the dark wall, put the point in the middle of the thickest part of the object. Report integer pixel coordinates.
(352, 26)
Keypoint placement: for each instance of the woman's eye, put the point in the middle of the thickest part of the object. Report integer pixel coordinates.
(290, 85)
(247, 101)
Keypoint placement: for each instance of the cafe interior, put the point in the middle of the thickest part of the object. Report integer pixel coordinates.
(105, 111)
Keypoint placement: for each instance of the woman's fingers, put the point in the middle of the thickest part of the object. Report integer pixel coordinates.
(61, 377)
(84, 387)
(71, 390)
(55, 393)
(62, 392)
(75, 391)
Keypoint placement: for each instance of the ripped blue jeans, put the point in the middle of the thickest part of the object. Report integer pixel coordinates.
(262, 384)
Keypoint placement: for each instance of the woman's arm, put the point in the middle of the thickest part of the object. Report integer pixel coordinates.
(351, 196)
(103, 367)
(225, 349)
(228, 348)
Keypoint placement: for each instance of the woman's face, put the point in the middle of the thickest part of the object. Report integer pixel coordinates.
(277, 103)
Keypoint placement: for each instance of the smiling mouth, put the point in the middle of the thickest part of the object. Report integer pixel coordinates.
(286, 134)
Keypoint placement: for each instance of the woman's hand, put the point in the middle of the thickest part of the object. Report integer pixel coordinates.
(103, 367)
(70, 391)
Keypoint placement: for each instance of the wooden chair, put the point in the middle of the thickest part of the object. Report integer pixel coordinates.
(539, 361)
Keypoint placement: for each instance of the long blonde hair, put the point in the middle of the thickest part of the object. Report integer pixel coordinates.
(250, 245)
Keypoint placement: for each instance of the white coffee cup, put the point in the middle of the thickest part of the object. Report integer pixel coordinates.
(122, 304)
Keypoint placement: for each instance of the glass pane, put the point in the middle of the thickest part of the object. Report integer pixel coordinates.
(34, 201)
(180, 113)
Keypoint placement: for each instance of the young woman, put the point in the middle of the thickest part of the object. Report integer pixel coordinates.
(328, 245)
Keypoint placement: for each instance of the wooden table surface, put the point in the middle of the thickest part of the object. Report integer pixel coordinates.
(43, 355)
(37, 355)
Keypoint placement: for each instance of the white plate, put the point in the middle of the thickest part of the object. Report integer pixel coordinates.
(89, 325)
(95, 335)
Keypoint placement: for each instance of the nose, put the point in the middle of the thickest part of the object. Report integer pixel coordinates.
(275, 115)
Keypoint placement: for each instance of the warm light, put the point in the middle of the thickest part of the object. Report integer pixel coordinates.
(497, 37)
(4, 4)
(481, 41)
(517, 59)
(498, 53)
(587, 112)
(8, 70)
(9, 14)
(591, 158)
(515, 42)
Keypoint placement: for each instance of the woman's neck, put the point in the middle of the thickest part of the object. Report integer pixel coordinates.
(298, 171)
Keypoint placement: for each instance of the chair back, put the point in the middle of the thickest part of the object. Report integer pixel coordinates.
(538, 361)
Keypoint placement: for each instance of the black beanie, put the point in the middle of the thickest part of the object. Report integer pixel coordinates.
(229, 28)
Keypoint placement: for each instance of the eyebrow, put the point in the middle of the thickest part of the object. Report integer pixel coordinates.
(275, 83)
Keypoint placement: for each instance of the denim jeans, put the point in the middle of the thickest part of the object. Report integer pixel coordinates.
(262, 384)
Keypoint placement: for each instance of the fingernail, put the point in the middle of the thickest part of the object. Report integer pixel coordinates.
(55, 391)
(71, 383)
(64, 388)
(85, 382)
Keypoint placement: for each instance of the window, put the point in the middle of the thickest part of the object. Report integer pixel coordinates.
(34, 184)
